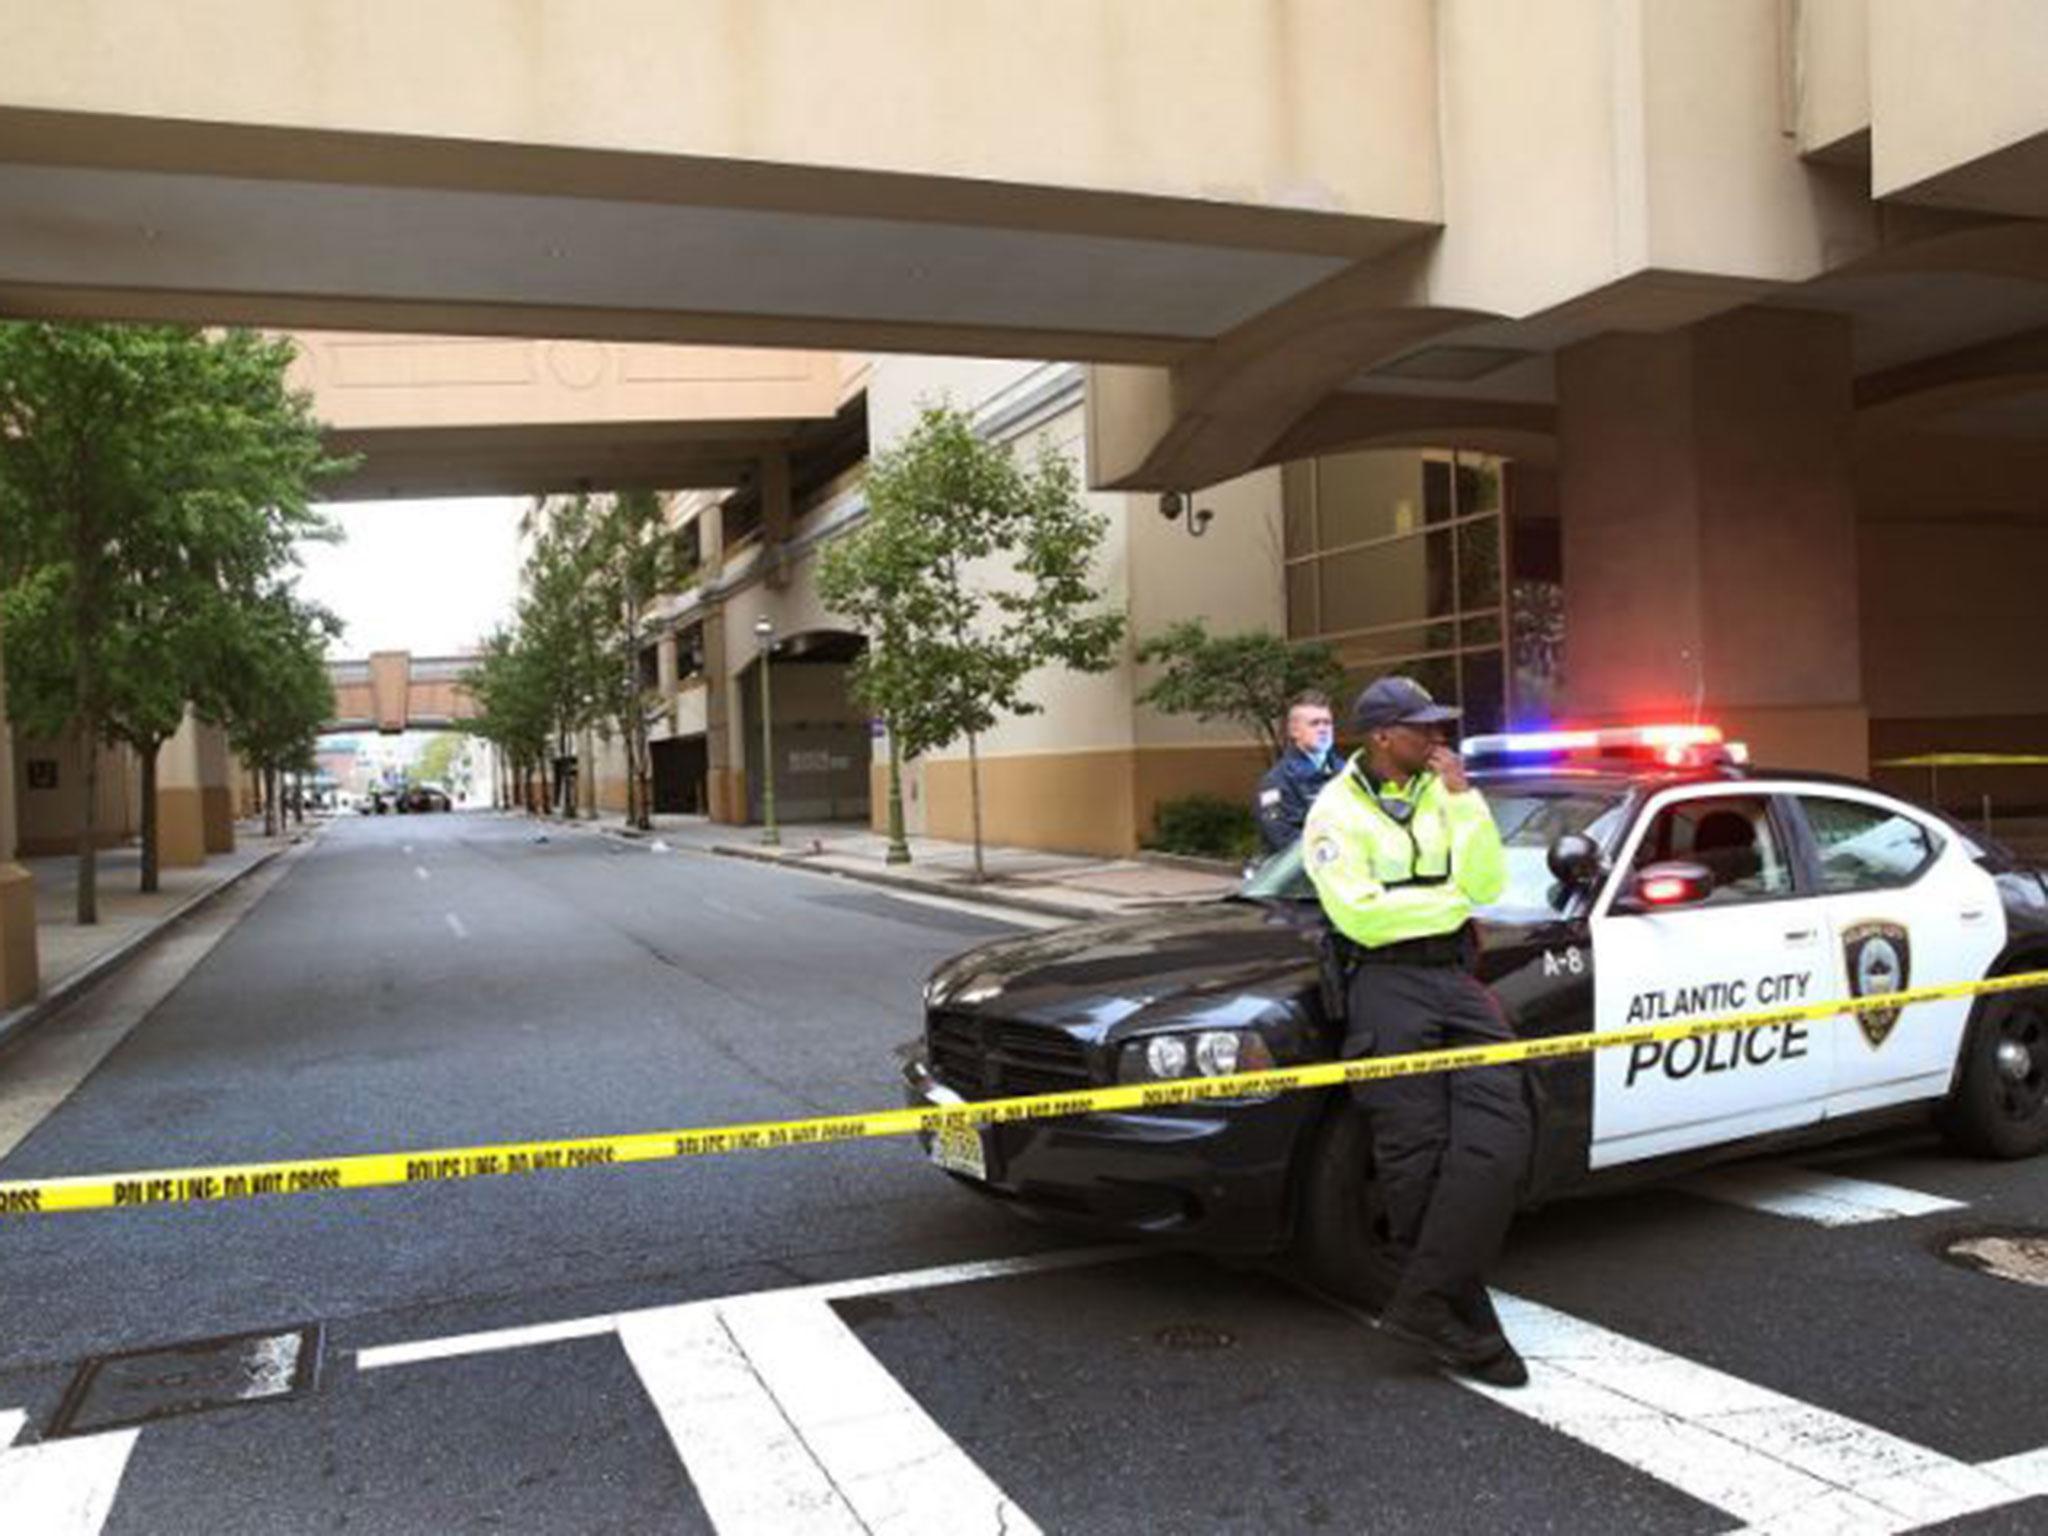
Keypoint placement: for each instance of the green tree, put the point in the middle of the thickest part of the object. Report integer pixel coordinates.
(1246, 679)
(633, 556)
(969, 573)
(513, 708)
(152, 480)
(269, 685)
(436, 762)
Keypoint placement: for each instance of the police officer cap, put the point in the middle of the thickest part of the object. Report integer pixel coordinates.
(1399, 701)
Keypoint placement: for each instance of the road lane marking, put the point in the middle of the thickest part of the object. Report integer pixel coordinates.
(1803, 1194)
(745, 1459)
(786, 1422)
(455, 925)
(421, 871)
(1779, 1464)
(379, 1356)
(63, 1487)
(11, 1422)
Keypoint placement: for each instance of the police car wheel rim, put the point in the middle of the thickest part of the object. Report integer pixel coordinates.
(2021, 1058)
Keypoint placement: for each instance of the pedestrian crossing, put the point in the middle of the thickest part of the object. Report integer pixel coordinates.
(784, 1421)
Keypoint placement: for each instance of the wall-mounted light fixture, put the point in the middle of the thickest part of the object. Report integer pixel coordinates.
(1174, 504)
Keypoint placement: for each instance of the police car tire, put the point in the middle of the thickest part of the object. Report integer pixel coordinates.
(1980, 1115)
(1339, 1232)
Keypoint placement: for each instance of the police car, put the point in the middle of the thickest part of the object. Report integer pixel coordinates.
(1652, 876)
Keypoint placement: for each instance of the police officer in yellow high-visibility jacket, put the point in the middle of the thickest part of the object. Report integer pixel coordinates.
(1401, 848)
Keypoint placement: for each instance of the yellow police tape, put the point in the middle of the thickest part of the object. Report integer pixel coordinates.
(237, 1181)
(1967, 760)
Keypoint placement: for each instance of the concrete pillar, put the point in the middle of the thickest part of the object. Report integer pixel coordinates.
(19, 973)
(181, 798)
(1709, 526)
(665, 667)
(216, 789)
(725, 798)
(711, 541)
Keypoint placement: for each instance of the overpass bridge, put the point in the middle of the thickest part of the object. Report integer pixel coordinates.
(394, 691)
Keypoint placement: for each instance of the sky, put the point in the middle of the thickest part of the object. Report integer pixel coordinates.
(430, 577)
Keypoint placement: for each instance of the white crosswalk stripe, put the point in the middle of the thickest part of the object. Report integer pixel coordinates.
(60, 1487)
(1804, 1194)
(1780, 1465)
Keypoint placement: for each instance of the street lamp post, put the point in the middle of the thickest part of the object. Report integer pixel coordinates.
(764, 633)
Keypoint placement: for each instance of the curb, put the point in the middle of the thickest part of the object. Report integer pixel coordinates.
(1033, 904)
(15, 1025)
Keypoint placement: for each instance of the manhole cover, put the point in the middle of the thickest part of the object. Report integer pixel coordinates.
(145, 1384)
(1193, 1336)
(2018, 1255)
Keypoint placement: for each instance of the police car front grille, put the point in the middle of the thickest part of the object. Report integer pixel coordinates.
(985, 1059)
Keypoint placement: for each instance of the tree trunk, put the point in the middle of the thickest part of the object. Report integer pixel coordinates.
(298, 799)
(272, 822)
(150, 854)
(974, 798)
(899, 845)
(88, 910)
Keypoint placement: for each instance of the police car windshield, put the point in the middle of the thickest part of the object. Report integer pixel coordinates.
(1530, 820)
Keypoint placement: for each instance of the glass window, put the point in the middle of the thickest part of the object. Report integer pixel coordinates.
(1403, 582)
(1731, 836)
(1297, 502)
(1866, 847)
(1437, 506)
(1485, 691)
(1362, 496)
(1304, 617)
(1479, 563)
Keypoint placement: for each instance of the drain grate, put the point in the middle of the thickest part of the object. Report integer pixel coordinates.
(2018, 1254)
(114, 1391)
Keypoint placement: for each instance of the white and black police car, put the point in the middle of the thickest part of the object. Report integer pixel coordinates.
(1652, 876)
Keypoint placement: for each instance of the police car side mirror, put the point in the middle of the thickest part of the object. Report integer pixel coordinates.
(1576, 862)
(1658, 887)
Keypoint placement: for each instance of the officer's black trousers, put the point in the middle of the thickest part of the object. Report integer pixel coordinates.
(1450, 1148)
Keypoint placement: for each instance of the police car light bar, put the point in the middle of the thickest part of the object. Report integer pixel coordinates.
(1675, 746)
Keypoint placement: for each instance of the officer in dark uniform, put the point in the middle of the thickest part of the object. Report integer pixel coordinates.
(1401, 848)
(1292, 784)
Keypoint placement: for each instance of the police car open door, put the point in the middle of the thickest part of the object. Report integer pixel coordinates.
(1905, 905)
(1758, 940)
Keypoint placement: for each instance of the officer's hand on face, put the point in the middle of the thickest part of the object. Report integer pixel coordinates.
(1448, 766)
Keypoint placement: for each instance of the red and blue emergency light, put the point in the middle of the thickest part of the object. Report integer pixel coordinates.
(1669, 746)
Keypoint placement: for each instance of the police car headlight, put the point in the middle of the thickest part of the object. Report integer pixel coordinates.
(1166, 1056)
(1216, 1052)
(1204, 1053)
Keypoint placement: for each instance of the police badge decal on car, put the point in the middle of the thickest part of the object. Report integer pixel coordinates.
(1878, 957)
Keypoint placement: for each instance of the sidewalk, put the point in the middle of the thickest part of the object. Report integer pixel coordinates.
(70, 957)
(1054, 884)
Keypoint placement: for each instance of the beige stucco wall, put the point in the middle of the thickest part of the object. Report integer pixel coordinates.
(1590, 141)
(47, 820)
(368, 382)
(1951, 83)
(1831, 62)
(1322, 104)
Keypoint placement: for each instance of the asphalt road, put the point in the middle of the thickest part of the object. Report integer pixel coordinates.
(704, 1345)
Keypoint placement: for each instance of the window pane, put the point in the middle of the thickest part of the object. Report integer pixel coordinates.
(1479, 564)
(1478, 484)
(1485, 691)
(1402, 582)
(1436, 491)
(1865, 847)
(1484, 630)
(1301, 600)
(1297, 492)
(1731, 836)
(1393, 644)
(1363, 496)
